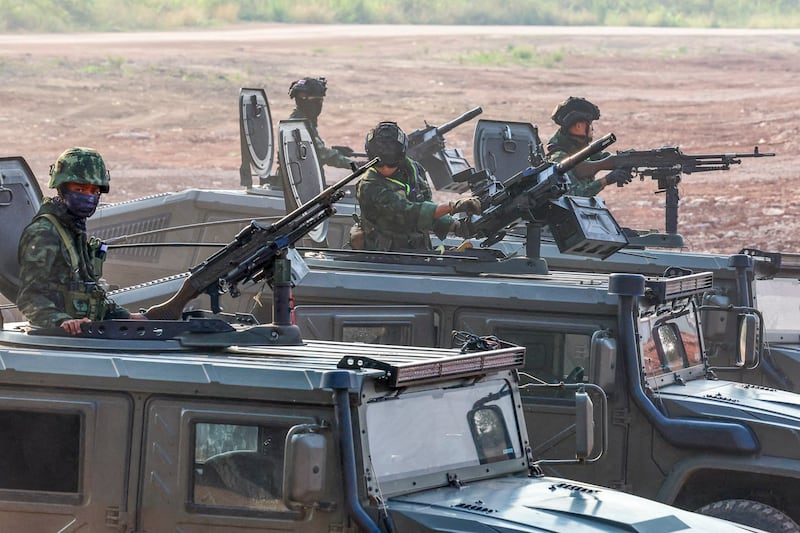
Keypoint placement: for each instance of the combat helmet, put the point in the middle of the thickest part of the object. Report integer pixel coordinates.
(80, 165)
(574, 109)
(387, 142)
(308, 87)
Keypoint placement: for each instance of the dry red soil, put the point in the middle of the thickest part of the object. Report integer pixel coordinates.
(162, 108)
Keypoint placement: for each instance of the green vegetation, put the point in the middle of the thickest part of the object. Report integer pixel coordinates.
(513, 55)
(124, 15)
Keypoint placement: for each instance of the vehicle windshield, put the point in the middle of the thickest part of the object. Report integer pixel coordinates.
(779, 301)
(670, 343)
(440, 430)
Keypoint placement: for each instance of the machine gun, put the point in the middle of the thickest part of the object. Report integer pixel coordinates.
(665, 165)
(254, 253)
(580, 226)
(427, 145)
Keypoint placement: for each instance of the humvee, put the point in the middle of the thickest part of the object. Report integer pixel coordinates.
(565, 318)
(211, 423)
(677, 433)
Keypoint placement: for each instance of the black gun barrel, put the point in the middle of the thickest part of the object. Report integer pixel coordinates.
(579, 157)
(469, 115)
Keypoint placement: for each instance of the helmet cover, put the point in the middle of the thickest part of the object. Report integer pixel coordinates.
(308, 87)
(573, 110)
(80, 165)
(387, 142)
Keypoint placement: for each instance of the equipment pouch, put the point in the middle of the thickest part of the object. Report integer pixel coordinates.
(357, 237)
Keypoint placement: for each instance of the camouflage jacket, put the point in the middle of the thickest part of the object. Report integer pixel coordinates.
(51, 288)
(560, 146)
(397, 212)
(327, 156)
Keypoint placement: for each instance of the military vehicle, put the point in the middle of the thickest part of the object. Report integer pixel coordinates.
(211, 423)
(563, 317)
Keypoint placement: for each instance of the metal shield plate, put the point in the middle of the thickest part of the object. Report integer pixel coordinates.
(300, 169)
(255, 133)
(504, 148)
(20, 199)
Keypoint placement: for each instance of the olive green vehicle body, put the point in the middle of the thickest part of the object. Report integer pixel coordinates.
(129, 428)
(566, 320)
(211, 425)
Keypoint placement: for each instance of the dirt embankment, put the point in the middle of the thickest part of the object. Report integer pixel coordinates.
(162, 107)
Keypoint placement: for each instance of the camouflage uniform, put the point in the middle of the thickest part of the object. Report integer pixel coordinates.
(327, 156)
(397, 212)
(562, 145)
(60, 267)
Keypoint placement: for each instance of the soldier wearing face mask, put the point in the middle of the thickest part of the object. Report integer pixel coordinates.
(575, 117)
(60, 267)
(308, 95)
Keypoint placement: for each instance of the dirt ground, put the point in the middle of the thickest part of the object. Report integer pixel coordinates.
(162, 108)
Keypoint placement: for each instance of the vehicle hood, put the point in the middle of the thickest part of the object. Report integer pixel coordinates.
(542, 504)
(731, 400)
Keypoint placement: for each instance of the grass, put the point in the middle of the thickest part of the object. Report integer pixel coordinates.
(125, 15)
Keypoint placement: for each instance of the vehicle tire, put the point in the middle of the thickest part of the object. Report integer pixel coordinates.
(752, 513)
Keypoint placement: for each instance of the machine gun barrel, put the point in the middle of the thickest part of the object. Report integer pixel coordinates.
(469, 115)
(523, 195)
(252, 252)
(579, 157)
(426, 138)
(666, 161)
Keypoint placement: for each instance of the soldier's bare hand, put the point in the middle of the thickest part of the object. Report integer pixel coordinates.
(73, 325)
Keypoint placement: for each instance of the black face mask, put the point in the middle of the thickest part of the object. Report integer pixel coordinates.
(79, 204)
(311, 108)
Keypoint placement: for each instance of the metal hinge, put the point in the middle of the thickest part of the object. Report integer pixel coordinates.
(621, 417)
(115, 517)
(620, 486)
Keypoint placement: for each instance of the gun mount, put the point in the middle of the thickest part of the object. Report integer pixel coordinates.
(666, 165)
(581, 226)
(257, 252)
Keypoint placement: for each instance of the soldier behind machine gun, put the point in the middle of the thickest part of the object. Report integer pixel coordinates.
(397, 210)
(575, 117)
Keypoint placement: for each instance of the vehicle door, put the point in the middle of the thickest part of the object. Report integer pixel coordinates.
(218, 466)
(569, 349)
(64, 460)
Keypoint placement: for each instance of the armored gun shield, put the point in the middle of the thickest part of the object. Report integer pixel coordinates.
(20, 199)
(504, 148)
(441, 166)
(301, 170)
(255, 134)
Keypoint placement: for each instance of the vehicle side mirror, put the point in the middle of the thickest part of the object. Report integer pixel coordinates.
(604, 361)
(304, 468)
(746, 350)
(584, 425)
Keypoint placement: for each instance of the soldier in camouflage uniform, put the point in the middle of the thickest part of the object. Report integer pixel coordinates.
(308, 94)
(60, 267)
(574, 116)
(397, 211)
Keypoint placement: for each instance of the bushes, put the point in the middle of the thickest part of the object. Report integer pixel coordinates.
(108, 15)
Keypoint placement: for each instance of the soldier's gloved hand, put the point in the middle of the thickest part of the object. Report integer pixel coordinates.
(344, 150)
(470, 206)
(620, 176)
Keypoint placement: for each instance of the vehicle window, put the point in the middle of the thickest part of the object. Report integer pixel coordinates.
(377, 334)
(553, 356)
(40, 451)
(239, 466)
(670, 346)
